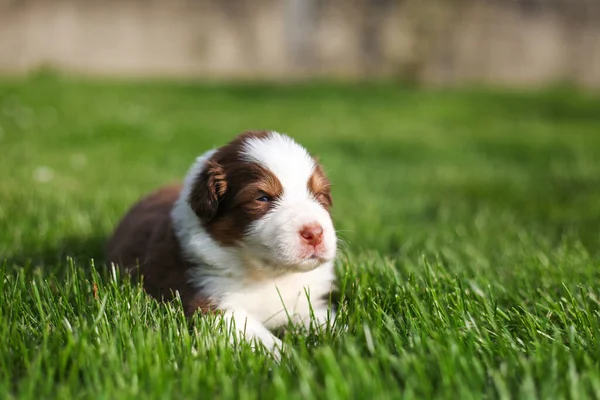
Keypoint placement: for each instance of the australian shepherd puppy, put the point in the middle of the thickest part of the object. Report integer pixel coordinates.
(248, 234)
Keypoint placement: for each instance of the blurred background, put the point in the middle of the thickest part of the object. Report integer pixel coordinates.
(475, 110)
(517, 42)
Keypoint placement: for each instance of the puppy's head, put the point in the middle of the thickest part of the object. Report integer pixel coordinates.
(266, 196)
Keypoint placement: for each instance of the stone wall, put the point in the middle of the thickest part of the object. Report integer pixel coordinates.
(441, 41)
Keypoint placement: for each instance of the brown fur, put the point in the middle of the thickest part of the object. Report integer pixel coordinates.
(320, 187)
(224, 194)
(145, 237)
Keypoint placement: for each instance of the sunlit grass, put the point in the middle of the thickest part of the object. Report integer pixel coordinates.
(470, 221)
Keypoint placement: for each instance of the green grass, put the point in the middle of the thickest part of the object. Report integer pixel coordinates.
(471, 223)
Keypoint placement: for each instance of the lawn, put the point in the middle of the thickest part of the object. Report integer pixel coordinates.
(469, 268)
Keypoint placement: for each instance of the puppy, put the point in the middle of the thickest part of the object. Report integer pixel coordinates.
(248, 234)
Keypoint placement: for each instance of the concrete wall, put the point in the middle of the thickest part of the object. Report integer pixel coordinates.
(441, 41)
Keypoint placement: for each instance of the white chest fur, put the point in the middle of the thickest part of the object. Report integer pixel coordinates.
(275, 301)
(259, 306)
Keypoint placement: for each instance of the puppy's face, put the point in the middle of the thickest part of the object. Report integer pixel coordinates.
(266, 196)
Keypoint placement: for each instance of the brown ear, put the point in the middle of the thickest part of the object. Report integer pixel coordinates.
(319, 185)
(208, 189)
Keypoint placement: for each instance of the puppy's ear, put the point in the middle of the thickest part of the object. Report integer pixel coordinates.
(207, 191)
(320, 185)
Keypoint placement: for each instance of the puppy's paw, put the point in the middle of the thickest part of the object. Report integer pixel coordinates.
(272, 345)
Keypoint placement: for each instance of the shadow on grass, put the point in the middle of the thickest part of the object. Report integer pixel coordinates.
(84, 251)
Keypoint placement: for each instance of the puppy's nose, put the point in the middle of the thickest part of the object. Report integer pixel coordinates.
(312, 234)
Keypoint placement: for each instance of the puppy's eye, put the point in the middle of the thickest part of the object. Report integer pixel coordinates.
(324, 198)
(263, 199)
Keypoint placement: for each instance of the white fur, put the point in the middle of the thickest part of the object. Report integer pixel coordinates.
(287, 286)
(276, 235)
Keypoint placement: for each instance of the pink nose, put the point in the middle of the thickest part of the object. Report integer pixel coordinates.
(312, 234)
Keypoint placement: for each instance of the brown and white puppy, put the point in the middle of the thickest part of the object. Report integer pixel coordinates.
(248, 234)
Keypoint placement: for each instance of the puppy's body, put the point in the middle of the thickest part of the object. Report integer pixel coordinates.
(145, 237)
(248, 233)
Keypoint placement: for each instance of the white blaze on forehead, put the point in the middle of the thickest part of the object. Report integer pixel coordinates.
(285, 158)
